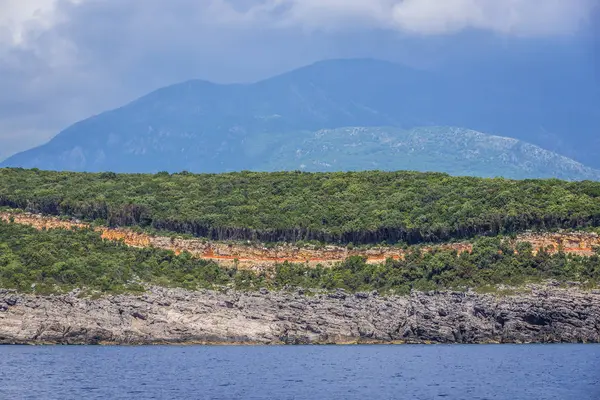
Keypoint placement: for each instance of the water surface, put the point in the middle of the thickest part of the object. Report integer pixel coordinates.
(304, 372)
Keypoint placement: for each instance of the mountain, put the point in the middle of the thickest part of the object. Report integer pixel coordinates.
(204, 127)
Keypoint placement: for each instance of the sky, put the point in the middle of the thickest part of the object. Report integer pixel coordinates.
(65, 60)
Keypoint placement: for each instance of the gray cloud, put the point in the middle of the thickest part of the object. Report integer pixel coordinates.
(62, 60)
(514, 17)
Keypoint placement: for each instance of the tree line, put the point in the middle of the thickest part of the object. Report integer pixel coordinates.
(345, 207)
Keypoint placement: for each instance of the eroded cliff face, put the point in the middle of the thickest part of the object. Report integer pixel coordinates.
(541, 314)
(257, 258)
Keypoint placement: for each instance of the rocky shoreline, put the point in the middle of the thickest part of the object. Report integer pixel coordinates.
(540, 314)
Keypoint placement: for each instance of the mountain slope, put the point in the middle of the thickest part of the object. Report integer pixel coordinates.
(452, 150)
(204, 127)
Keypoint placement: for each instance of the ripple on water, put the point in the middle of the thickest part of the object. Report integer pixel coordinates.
(551, 372)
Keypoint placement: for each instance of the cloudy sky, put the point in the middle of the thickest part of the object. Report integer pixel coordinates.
(64, 60)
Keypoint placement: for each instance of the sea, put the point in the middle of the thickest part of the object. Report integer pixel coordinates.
(501, 372)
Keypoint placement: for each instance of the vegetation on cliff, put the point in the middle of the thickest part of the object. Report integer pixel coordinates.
(56, 259)
(352, 207)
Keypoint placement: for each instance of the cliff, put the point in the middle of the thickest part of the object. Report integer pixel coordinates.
(540, 314)
(255, 257)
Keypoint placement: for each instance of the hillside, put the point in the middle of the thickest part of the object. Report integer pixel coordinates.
(199, 126)
(451, 150)
(60, 276)
(357, 207)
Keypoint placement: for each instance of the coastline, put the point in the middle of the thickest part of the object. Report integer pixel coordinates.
(539, 314)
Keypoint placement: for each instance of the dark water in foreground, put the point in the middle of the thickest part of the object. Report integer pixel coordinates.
(323, 372)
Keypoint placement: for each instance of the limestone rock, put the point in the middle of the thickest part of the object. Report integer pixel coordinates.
(542, 315)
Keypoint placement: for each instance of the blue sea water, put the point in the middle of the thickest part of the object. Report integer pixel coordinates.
(504, 372)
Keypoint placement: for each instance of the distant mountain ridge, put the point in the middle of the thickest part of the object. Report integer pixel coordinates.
(204, 127)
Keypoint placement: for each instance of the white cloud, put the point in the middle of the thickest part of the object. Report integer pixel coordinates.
(19, 16)
(520, 17)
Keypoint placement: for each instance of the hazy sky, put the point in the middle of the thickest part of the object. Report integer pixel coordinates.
(64, 60)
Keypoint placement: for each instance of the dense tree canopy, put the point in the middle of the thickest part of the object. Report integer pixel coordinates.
(357, 207)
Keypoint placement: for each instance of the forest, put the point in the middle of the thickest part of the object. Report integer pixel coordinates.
(56, 260)
(345, 207)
